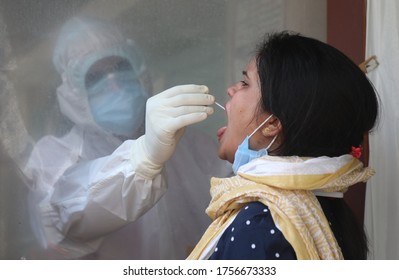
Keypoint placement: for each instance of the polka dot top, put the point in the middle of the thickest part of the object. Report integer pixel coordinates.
(253, 235)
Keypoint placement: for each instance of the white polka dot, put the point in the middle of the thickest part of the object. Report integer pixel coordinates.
(216, 249)
(272, 231)
(277, 255)
(248, 222)
(232, 238)
(246, 207)
(253, 246)
(232, 229)
(265, 210)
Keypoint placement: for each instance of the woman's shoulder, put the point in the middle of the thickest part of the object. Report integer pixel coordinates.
(253, 235)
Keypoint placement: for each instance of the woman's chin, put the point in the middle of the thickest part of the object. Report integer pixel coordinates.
(221, 153)
(224, 155)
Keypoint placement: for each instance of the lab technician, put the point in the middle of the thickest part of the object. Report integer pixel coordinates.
(98, 191)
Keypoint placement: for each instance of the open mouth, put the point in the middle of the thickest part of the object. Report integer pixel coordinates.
(220, 133)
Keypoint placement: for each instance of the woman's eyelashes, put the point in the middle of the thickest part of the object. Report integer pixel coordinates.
(243, 83)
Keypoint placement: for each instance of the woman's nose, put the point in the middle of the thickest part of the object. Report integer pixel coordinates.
(231, 90)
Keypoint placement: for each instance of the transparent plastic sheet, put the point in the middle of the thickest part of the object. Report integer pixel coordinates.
(203, 42)
(382, 195)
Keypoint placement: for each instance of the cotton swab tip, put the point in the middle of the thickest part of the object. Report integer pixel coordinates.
(220, 106)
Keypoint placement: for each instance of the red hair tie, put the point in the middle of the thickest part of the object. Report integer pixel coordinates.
(357, 152)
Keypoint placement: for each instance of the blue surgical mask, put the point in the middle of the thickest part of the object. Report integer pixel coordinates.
(117, 103)
(244, 154)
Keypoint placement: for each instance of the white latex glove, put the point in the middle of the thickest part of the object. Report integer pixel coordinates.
(167, 114)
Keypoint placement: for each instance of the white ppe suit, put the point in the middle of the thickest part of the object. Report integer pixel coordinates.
(92, 191)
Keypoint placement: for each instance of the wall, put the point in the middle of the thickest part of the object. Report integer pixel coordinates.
(346, 30)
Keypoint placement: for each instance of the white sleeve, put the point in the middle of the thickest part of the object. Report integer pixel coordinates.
(94, 198)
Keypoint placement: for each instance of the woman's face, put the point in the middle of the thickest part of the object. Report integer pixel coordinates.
(241, 115)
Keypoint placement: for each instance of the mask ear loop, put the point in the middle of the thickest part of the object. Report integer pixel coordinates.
(256, 129)
(271, 143)
(265, 121)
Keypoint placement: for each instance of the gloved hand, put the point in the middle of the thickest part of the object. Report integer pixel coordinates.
(167, 114)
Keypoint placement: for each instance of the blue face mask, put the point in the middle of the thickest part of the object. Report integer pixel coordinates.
(117, 103)
(244, 154)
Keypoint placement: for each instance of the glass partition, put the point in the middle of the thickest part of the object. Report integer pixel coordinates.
(182, 41)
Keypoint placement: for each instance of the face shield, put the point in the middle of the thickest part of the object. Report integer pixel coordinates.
(115, 95)
(104, 77)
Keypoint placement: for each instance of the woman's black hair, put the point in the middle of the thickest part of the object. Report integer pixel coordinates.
(323, 100)
(325, 104)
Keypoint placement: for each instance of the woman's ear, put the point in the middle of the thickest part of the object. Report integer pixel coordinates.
(273, 127)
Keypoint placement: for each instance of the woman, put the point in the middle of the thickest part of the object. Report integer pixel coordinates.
(295, 125)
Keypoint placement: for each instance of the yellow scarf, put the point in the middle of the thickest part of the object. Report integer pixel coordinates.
(285, 185)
